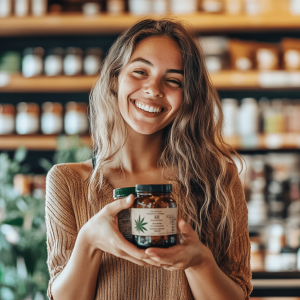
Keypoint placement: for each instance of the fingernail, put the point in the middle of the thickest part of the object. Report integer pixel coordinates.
(128, 199)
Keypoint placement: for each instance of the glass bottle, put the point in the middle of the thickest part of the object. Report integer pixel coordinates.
(154, 217)
(124, 220)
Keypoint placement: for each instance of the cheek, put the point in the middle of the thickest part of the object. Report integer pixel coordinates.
(176, 100)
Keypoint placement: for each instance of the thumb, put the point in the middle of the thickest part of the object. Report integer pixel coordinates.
(185, 229)
(115, 207)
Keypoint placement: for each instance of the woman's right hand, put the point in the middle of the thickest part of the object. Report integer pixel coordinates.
(102, 232)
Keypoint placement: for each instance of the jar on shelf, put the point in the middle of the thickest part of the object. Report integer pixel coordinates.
(5, 8)
(23, 184)
(76, 120)
(230, 111)
(21, 8)
(183, 7)
(39, 7)
(73, 61)
(27, 120)
(92, 61)
(7, 119)
(154, 217)
(115, 7)
(160, 7)
(124, 220)
(54, 62)
(32, 64)
(248, 117)
(140, 7)
(213, 6)
(91, 8)
(52, 118)
(234, 7)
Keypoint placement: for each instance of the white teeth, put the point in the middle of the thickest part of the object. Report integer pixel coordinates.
(147, 107)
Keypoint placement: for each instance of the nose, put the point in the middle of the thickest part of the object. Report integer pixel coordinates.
(153, 89)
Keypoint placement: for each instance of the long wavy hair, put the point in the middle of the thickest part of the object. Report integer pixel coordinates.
(192, 145)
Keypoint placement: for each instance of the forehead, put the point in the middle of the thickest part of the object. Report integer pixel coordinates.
(159, 50)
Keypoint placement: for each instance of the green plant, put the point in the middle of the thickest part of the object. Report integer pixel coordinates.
(139, 224)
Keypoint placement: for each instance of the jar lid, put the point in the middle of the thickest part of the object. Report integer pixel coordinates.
(73, 51)
(158, 188)
(56, 51)
(124, 192)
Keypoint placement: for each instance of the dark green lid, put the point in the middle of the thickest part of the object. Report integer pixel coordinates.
(124, 192)
(154, 188)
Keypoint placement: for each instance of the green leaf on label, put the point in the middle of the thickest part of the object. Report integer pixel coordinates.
(139, 225)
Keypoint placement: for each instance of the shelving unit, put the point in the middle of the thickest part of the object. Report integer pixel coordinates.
(76, 24)
(261, 142)
(224, 80)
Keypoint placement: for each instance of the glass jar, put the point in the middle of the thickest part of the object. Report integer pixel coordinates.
(27, 121)
(32, 64)
(124, 221)
(52, 118)
(39, 7)
(21, 8)
(5, 8)
(92, 60)
(212, 6)
(54, 62)
(154, 217)
(115, 7)
(183, 7)
(7, 119)
(73, 61)
(76, 120)
(140, 7)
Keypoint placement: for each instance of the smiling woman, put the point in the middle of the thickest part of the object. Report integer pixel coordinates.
(153, 121)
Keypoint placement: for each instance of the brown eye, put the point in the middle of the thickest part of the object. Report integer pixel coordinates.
(140, 72)
(175, 83)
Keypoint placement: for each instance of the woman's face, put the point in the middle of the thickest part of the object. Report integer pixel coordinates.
(150, 85)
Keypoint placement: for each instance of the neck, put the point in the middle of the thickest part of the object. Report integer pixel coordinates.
(141, 152)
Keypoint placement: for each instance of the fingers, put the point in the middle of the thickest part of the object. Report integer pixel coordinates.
(112, 209)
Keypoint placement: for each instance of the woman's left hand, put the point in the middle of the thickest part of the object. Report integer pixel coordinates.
(190, 252)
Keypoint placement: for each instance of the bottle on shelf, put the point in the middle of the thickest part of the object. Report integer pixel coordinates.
(76, 120)
(7, 119)
(52, 118)
(183, 7)
(21, 8)
(248, 117)
(213, 6)
(91, 8)
(39, 7)
(27, 120)
(161, 7)
(234, 7)
(92, 61)
(73, 63)
(230, 112)
(54, 62)
(32, 64)
(5, 8)
(115, 7)
(140, 7)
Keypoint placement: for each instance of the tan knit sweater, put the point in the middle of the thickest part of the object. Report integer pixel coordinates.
(68, 209)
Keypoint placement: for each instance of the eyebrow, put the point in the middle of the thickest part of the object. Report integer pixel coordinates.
(147, 62)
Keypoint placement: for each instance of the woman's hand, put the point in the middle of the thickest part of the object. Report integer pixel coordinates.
(189, 253)
(102, 232)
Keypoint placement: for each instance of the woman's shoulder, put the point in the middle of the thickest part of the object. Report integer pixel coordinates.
(80, 170)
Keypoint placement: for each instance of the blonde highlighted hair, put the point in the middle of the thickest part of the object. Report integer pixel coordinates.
(192, 145)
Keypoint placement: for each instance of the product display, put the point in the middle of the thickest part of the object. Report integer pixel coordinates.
(32, 64)
(73, 61)
(7, 119)
(154, 217)
(124, 219)
(27, 120)
(76, 120)
(52, 118)
(54, 62)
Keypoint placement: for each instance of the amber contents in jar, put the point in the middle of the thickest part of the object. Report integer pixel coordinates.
(154, 217)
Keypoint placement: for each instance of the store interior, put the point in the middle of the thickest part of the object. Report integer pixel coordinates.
(50, 56)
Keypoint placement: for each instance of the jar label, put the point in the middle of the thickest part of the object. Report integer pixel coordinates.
(154, 221)
(125, 224)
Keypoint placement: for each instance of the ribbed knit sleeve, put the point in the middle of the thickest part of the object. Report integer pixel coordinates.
(60, 222)
(236, 263)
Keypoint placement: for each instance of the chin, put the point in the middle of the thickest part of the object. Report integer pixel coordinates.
(145, 129)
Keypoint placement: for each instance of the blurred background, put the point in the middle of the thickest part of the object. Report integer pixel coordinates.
(50, 52)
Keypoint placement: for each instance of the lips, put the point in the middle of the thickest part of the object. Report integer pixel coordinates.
(147, 113)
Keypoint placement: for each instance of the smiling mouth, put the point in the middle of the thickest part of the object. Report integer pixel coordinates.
(148, 108)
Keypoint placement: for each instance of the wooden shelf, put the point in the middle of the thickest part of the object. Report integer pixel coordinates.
(224, 80)
(77, 24)
(33, 142)
(259, 142)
